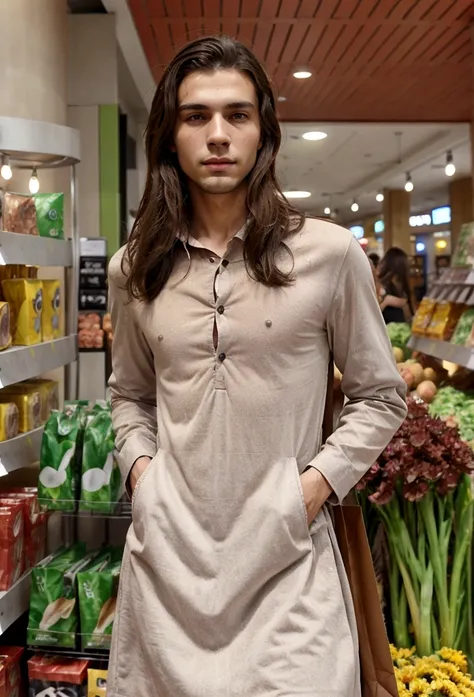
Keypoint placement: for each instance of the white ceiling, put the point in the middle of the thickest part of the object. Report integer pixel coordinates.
(357, 160)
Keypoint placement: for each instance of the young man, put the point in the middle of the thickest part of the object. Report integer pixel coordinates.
(227, 306)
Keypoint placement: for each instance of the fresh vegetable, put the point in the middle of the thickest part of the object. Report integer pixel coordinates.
(398, 354)
(417, 371)
(399, 334)
(426, 390)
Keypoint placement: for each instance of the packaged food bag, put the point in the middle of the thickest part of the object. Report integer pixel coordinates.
(10, 671)
(57, 676)
(49, 395)
(423, 316)
(51, 315)
(53, 618)
(12, 535)
(97, 593)
(96, 683)
(50, 215)
(444, 320)
(101, 481)
(19, 213)
(5, 329)
(35, 525)
(25, 298)
(9, 421)
(61, 450)
(28, 402)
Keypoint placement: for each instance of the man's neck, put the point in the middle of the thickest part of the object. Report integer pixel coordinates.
(216, 218)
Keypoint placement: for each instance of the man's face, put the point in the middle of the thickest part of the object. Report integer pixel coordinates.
(217, 133)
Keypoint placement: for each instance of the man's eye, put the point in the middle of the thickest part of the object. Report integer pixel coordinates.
(239, 116)
(195, 117)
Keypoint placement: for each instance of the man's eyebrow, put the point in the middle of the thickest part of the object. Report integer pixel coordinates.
(203, 107)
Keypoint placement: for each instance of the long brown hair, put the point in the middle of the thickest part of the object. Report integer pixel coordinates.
(394, 272)
(164, 210)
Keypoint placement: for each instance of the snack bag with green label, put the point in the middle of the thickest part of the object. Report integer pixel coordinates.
(50, 215)
(101, 481)
(61, 450)
(53, 599)
(97, 592)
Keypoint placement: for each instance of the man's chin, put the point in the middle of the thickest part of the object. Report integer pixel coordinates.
(218, 185)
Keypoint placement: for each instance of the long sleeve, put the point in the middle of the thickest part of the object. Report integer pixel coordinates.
(132, 383)
(375, 404)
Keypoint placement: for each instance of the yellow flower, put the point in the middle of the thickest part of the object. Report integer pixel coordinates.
(456, 657)
(419, 686)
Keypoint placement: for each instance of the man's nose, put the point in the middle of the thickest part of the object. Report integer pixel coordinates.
(218, 133)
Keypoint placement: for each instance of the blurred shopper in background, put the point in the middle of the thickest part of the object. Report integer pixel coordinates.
(396, 296)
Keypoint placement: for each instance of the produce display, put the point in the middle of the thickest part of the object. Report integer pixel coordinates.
(463, 330)
(421, 488)
(38, 214)
(78, 466)
(399, 334)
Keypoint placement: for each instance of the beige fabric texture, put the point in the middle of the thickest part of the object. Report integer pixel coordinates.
(224, 591)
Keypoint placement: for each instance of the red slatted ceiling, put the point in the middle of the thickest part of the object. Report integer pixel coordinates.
(372, 60)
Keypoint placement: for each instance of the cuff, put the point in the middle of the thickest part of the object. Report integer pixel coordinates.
(135, 446)
(338, 472)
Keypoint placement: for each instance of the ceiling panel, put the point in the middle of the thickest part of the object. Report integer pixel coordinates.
(371, 60)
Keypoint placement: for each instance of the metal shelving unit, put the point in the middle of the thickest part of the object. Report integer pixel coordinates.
(36, 144)
(443, 350)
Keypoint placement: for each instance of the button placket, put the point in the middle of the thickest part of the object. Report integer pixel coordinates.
(222, 290)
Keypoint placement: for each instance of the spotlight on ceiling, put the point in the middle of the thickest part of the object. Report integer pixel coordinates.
(409, 186)
(380, 197)
(450, 166)
(297, 194)
(355, 206)
(302, 74)
(327, 211)
(315, 135)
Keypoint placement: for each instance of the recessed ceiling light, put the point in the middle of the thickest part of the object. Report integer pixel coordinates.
(379, 197)
(355, 206)
(327, 211)
(315, 135)
(302, 74)
(297, 194)
(281, 99)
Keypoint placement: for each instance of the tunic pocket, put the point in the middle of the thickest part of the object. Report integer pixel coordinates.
(303, 516)
(143, 476)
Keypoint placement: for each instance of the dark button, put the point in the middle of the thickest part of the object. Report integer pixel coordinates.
(212, 260)
(225, 262)
(220, 309)
(222, 357)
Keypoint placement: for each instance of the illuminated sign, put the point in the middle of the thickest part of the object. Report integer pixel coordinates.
(420, 220)
(441, 216)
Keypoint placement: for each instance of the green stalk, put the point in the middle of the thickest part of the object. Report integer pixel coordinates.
(460, 558)
(470, 608)
(411, 597)
(398, 605)
(424, 644)
(438, 559)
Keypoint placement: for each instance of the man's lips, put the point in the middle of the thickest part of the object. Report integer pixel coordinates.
(216, 164)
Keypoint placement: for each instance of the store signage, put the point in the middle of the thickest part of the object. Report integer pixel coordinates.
(420, 220)
(441, 216)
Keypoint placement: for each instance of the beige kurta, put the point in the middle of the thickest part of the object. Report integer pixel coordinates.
(224, 590)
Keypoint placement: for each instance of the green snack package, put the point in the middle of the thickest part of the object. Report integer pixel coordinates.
(101, 482)
(50, 215)
(463, 327)
(97, 593)
(53, 617)
(61, 449)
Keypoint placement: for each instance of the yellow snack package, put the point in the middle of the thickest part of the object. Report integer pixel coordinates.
(9, 421)
(25, 298)
(28, 401)
(444, 320)
(423, 316)
(49, 395)
(5, 331)
(51, 317)
(96, 683)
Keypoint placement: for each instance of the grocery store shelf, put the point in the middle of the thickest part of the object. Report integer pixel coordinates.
(443, 350)
(14, 602)
(22, 451)
(23, 362)
(37, 251)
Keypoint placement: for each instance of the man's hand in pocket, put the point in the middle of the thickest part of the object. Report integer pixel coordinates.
(316, 492)
(137, 470)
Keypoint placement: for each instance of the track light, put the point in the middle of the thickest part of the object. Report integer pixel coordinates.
(450, 167)
(327, 210)
(409, 186)
(355, 206)
(34, 184)
(6, 170)
(380, 197)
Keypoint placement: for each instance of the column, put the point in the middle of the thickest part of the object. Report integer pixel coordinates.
(461, 202)
(396, 214)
